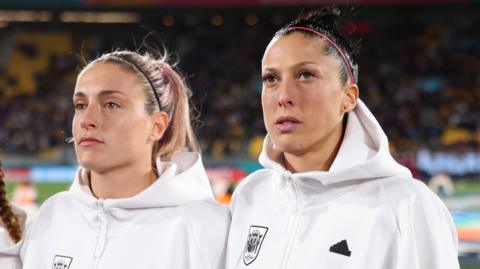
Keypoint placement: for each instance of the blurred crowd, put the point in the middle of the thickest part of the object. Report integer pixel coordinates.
(424, 89)
(421, 80)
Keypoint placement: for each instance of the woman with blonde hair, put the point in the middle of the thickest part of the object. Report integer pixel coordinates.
(141, 198)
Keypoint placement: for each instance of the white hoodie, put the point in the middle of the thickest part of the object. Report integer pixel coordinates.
(365, 212)
(174, 223)
(8, 249)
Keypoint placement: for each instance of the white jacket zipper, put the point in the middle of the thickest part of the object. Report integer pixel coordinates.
(296, 217)
(102, 234)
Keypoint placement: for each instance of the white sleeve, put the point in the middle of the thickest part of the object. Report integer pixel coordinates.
(428, 237)
(210, 224)
(9, 252)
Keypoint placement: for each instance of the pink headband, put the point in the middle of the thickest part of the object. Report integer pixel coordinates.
(331, 43)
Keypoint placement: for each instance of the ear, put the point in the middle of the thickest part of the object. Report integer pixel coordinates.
(350, 99)
(160, 122)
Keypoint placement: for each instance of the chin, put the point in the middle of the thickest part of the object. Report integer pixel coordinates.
(288, 143)
(87, 164)
(91, 163)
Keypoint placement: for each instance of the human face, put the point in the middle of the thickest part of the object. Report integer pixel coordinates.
(111, 127)
(303, 98)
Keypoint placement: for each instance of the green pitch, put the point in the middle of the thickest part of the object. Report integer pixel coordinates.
(45, 190)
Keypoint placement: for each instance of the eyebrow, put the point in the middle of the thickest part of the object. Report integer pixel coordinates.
(300, 64)
(306, 63)
(101, 94)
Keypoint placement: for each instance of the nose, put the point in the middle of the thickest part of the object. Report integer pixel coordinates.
(89, 118)
(286, 96)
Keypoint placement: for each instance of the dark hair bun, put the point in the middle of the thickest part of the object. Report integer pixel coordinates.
(326, 18)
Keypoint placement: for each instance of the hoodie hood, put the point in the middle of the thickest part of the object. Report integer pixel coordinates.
(182, 180)
(363, 154)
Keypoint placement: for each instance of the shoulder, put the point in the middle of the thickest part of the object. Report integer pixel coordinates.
(207, 212)
(427, 233)
(256, 178)
(56, 199)
(209, 223)
(207, 218)
(416, 206)
(9, 250)
(255, 183)
(58, 203)
(400, 190)
(5, 240)
(53, 203)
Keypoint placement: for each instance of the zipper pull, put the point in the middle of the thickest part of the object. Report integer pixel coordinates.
(288, 176)
(100, 202)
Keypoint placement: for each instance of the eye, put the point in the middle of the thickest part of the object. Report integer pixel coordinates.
(269, 79)
(79, 106)
(111, 105)
(305, 74)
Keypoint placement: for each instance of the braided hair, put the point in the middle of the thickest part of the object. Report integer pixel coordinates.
(8, 217)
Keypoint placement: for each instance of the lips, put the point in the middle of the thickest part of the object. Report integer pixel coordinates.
(287, 124)
(89, 141)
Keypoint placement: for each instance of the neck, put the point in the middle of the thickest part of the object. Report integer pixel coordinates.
(319, 157)
(121, 182)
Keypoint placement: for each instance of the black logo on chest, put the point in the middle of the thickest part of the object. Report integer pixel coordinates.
(341, 248)
(61, 262)
(256, 235)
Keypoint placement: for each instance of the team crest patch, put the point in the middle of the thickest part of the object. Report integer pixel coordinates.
(256, 235)
(61, 262)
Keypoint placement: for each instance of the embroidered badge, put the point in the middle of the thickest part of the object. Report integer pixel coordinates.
(61, 262)
(341, 248)
(256, 235)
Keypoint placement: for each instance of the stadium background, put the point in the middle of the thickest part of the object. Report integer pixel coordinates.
(419, 74)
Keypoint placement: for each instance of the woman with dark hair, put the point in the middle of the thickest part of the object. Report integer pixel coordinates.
(11, 223)
(141, 198)
(331, 195)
